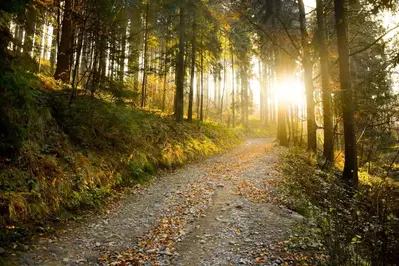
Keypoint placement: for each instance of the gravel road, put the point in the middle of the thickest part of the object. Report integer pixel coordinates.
(217, 212)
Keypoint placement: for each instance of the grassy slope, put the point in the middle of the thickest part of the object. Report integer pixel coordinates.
(75, 156)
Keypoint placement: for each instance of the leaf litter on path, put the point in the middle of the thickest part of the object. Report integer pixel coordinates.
(217, 212)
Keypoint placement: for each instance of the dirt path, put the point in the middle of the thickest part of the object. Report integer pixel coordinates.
(217, 212)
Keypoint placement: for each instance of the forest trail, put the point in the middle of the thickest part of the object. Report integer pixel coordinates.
(216, 212)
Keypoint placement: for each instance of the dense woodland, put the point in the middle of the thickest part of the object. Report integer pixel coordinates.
(77, 74)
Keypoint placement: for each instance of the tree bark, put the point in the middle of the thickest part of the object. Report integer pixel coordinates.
(202, 82)
(30, 22)
(282, 104)
(19, 32)
(144, 83)
(350, 173)
(263, 91)
(165, 74)
(180, 71)
(53, 52)
(122, 56)
(77, 63)
(308, 78)
(224, 89)
(62, 71)
(232, 90)
(134, 41)
(328, 149)
(244, 94)
(193, 58)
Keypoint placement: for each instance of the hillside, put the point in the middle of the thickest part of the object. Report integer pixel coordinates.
(71, 157)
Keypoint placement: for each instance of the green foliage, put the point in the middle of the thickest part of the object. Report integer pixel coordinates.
(75, 156)
(120, 91)
(13, 6)
(18, 108)
(358, 228)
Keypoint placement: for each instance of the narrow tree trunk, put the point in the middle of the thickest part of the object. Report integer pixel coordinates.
(244, 94)
(233, 101)
(165, 75)
(123, 48)
(290, 124)
(328, 149)
(30, 22)
(103, 59)
(202, 82)
(19, 32)
(55, 39)
(53, 52)
(77, 63)
(224, 88)
(308, 77)
(216, 78)
(62, 71)
(282, 104)
(193, 58)
(180, 71)
(261, 93)
(87, 51)
(350, 173)
(198, 98)
(146, 33)
(111, 56)
(272, 106)
(134, 50)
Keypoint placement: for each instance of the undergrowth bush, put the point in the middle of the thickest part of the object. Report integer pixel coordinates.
(18, 108)
(72, 157)
(359, 228)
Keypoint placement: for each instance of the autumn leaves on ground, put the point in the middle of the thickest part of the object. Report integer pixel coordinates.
(218, 212)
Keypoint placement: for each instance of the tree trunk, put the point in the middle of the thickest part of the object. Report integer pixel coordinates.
(308, 78)
(282, 104)
(19, 33)
(123, 47)
(217, 90)
(193, 58)
(146, 33)
(350, 173)
(77, 62)
(244, 94)
(165, 75)
(53, 52)
(55, 39)
(328, 149)
(198, 98)
(224, 89)
(62, 71)
(202, 82)
(30, 22)
(232, 90)
(134, 50)
(263, 91)
(103, 59)
(180, 71)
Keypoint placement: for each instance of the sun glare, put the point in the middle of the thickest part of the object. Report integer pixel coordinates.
(291, 91)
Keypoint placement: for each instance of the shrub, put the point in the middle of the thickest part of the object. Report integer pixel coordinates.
(73, 156)
(18, 108)
(359, 228)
